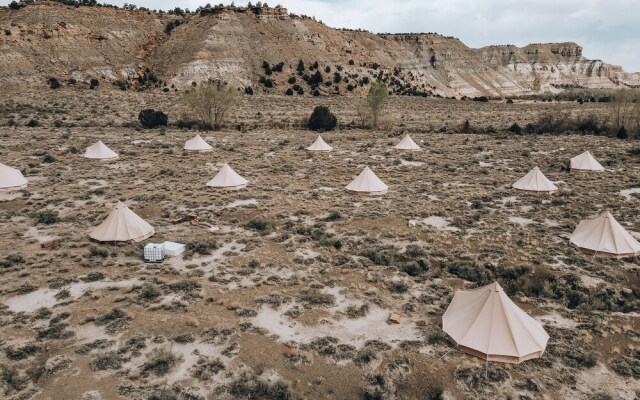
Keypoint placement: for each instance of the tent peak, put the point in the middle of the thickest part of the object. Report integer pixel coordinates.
(495, 287)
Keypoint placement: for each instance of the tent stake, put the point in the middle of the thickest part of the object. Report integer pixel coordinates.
(486, 370)
(450, 350)
(594, 256)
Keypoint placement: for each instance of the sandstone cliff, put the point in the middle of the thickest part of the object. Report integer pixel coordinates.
(48, 39)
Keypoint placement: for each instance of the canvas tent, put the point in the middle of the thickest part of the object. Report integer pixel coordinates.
(585, 162)
(319, 145)
(485, 323)
(407, 144)
(604, 235)
(122, 225)
(197, 143)
(227, 178)
(535, 181)
(100, 151)
(11, 179)
(367, 183)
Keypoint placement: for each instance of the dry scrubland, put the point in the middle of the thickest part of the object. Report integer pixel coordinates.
(290, 296)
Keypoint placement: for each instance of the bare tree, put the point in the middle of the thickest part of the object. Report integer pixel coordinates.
(625, 110)
(376, 99)
(211, 101)
(362, 113)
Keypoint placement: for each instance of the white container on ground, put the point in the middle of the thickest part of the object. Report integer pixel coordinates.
(154, 252)
(173, 249)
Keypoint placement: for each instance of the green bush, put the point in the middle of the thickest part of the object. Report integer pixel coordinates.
(204, 370)
(54, 83)
(257, 224)
(316, 298)
(20, 353)
(622, 133)
(471, 272)
(46, 217)
(250, 387)
(627, 366)
(515, 128)
(105, 361)
(171, 25)
(11, 378)
(115, 314)
(151, 119)
(316, 79)
(322, 119)
(96, 252)
(159, 362)
(11, 260)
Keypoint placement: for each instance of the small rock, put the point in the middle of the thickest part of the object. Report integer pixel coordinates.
(394, 318)
(56, 363)
(92, 395)
(306, 354)
(371, 291)
(290, 352)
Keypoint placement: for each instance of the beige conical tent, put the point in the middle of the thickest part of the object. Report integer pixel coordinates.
(485, 323)
(535, 181)
(585, 162)
(197, 143)
(407, 144)
(604, 235)
(100, 151)
(319, 145)
(367, 183)
(122, 225)
(227, 178)
(11, 179)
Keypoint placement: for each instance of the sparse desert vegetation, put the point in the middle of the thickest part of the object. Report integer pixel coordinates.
(290, 296)
(292, 287)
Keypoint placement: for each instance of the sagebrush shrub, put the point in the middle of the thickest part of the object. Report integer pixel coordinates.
(151, 119)
(322, 119)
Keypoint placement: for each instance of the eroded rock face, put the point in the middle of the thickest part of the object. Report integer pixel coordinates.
(52, 40)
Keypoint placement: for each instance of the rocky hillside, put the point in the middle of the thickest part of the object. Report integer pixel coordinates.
(137, 49)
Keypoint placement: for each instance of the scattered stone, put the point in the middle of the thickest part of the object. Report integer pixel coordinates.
(56, 363)
(92, 395)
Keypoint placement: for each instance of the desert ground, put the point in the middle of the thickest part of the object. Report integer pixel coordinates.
(287, 285)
